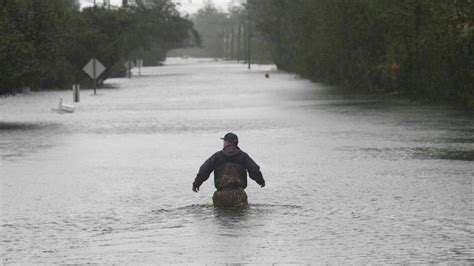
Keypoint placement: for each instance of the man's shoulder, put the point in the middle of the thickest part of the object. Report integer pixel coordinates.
(243, 153)
(217, 153)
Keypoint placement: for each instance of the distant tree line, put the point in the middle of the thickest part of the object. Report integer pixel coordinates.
(420, 48)
(45, 44)
(226, 35)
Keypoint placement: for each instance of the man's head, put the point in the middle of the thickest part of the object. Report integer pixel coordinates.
(230, 138)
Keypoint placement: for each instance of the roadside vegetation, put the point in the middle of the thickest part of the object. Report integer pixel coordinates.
(418, 48)
(45, 44)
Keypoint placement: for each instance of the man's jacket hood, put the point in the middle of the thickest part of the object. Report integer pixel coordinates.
(230, 150)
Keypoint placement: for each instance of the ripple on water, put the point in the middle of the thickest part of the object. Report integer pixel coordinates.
(423, 153)
(443, 154)
(207, 211)
(26, 126)
(208, 208)
(8, 225)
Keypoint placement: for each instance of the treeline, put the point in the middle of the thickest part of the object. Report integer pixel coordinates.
(226, 35)
(420, 48)
(45, 44)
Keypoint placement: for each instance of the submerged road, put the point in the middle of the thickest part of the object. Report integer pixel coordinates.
(349, 178)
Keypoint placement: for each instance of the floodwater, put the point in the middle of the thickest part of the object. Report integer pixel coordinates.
(349, 178)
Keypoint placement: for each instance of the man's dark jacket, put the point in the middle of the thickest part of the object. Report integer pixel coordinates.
(230, 159)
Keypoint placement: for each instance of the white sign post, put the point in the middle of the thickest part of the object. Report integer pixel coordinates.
(129, 65)
(94, 68)
(140, 65)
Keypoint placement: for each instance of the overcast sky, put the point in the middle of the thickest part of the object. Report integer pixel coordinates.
(186, 6)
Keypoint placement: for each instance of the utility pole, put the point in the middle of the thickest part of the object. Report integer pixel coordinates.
(244, 40)
(217, 47)
(232, 42)
(224, 46)
(248, 43)
(248, 35)
(239, 34)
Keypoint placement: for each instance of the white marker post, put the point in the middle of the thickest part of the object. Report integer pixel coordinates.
(94, 68)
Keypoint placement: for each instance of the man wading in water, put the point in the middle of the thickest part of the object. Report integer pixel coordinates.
(230, 166)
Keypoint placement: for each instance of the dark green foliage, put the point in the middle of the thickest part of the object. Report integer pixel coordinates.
(421, 48)
(31, 50)
(159, 28)
(45, 44)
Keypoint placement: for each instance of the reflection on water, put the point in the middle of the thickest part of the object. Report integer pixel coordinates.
(349, 178)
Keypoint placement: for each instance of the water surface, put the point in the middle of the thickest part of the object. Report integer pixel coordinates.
(349, 178)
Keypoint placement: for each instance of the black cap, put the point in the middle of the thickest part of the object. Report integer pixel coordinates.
(231, 137)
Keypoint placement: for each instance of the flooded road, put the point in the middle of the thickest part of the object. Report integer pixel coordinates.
(349, 179)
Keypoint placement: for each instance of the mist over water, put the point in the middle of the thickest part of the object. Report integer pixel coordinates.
(349, 179)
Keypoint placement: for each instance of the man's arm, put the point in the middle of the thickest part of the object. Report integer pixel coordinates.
(204, 171)
(254, 170)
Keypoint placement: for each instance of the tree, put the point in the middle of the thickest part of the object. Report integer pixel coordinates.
(45, 44)
(421, 48)
(31, 48)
